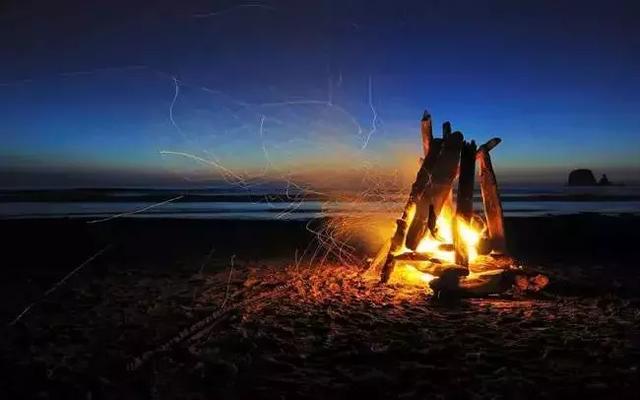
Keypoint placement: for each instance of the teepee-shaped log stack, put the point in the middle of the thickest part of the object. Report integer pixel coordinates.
(446, 159)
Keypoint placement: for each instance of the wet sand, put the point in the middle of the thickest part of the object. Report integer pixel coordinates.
(140, 321)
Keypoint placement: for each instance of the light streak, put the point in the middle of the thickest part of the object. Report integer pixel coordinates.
(332, 236)
(173, 103)
(264, 148)
(226, 294)
(58, 284)
(76, 73)
(226, 171)
(374, 127)
(230, 9)
(95, 221)
(104, 69)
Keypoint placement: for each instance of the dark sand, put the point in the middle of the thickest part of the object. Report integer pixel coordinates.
(114, 329)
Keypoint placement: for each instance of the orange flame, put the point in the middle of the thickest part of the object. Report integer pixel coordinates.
(440, 246)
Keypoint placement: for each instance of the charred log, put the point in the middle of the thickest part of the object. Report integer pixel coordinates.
(464, 200)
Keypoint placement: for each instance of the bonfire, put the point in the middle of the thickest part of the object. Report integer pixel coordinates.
(439, 240)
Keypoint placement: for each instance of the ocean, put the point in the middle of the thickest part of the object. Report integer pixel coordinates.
(276, 203)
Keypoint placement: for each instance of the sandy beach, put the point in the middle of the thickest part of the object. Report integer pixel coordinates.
(220, 309)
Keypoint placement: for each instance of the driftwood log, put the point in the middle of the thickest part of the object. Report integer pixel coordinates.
(426, 129)
(423, 177)
(437, 190)
(464, 200)
(491, 197)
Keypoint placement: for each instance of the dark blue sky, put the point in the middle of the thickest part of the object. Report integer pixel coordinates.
(88, 95)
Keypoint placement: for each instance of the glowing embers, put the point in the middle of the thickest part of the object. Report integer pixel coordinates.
(405, 273)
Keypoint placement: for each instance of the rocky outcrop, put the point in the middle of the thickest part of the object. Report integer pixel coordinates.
(585, 177)
(604, 181)
(582, 177)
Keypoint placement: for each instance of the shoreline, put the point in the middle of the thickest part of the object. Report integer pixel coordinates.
(525, 235)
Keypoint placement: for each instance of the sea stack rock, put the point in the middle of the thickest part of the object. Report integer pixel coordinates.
(582, 177)
(604, 181)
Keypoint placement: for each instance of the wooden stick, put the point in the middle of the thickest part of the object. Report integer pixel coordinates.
(427, 132)
(397, 241)
(491, 199)
(464, 200)
(399, 238)
(446, 129)
(491, 143)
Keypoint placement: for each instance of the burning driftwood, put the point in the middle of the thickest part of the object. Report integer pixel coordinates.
(451, 246)
(491, 197)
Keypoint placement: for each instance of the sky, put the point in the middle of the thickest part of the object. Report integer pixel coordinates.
(159, 93)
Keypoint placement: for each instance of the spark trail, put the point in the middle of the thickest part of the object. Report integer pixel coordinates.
(58, 284)
(264, 147)
(233, 8)
(95, 221)
(332, 236)
(173, 103)
(374, 120)
(226, 172)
